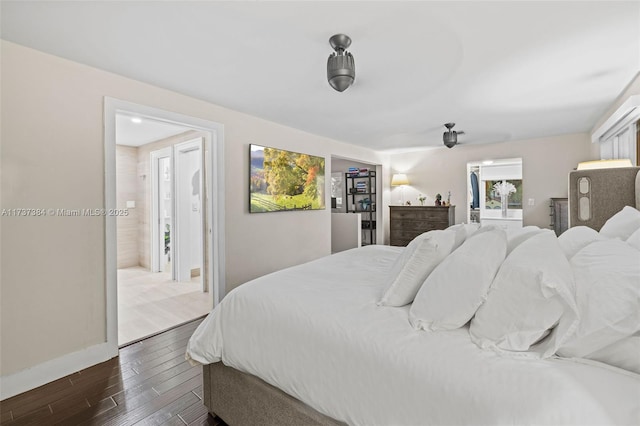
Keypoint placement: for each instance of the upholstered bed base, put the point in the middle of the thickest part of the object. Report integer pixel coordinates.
(241, 399)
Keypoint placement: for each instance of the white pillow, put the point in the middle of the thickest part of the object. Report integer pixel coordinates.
(460, 234)
(469, 229)
(532, 291)
(622, 224)
(515, 237)
(607, 275)
(415, 264)
(457, 287)
(634, 239)
(575, 239)
(624, 353)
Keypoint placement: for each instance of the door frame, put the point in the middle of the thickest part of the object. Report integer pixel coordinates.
(215, 202)
(155, 204)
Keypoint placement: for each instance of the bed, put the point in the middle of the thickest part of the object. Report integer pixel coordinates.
(405, 336)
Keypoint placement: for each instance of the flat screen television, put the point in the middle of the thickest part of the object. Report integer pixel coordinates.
(283, 180)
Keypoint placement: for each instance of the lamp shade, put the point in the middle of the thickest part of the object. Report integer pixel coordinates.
(399, 179)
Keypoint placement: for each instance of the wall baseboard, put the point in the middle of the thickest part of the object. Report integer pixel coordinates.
(48, 371)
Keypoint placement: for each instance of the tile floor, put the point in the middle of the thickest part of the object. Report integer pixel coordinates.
(150, 302)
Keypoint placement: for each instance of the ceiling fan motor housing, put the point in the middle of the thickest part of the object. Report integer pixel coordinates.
(450, 138)
(341, 71)
(341, 68)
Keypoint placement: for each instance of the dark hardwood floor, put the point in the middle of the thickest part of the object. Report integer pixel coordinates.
(150, 383)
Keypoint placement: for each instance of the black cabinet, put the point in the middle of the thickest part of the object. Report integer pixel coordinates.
(360, 190)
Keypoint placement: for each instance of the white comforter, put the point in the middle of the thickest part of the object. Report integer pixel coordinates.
(315, 332)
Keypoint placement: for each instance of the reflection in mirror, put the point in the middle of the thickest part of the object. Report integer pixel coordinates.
(473, 172)
(495, 192)
(337, 190)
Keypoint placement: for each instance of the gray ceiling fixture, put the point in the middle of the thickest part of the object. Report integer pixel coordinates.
(341, 68)
(450, 137)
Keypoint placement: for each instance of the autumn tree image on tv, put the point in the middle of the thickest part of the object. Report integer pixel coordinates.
(284, 180)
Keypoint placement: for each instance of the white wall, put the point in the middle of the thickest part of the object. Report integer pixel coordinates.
(633, 88)
(126, 190)
(346, 231)
(53, 268)
(546, 163)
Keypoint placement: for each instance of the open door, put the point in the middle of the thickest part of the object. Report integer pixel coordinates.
(188, 259)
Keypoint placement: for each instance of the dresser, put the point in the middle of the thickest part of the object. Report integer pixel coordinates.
(407, 222)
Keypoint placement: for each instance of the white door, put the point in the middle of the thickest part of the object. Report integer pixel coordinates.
(162, 209)
(188, 236)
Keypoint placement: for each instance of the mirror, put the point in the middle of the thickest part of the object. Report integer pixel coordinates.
(337, 192)
(495, 192)
(473, 209)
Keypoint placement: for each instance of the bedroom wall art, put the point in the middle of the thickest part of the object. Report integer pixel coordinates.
(283, 180)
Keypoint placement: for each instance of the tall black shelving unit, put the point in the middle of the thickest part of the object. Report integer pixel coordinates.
(361, 198)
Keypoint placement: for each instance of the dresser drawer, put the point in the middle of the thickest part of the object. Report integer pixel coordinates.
(439, 213)
(418, 225)
(404, 214)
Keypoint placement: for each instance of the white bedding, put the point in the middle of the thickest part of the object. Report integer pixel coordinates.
(316, 332)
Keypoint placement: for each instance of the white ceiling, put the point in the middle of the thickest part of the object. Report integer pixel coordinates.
(145, 131)
(501, 70)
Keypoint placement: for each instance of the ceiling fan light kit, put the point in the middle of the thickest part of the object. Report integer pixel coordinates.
(450, 137)
(341, 68)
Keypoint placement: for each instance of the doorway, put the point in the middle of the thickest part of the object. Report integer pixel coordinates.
(179, 192)
(162, 213)
(176, 215)
(356, 187)
(494, 193)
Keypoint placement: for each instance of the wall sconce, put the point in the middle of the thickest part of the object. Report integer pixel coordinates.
(400, 179)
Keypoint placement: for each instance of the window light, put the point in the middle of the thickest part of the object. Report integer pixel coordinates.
(604, 164)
